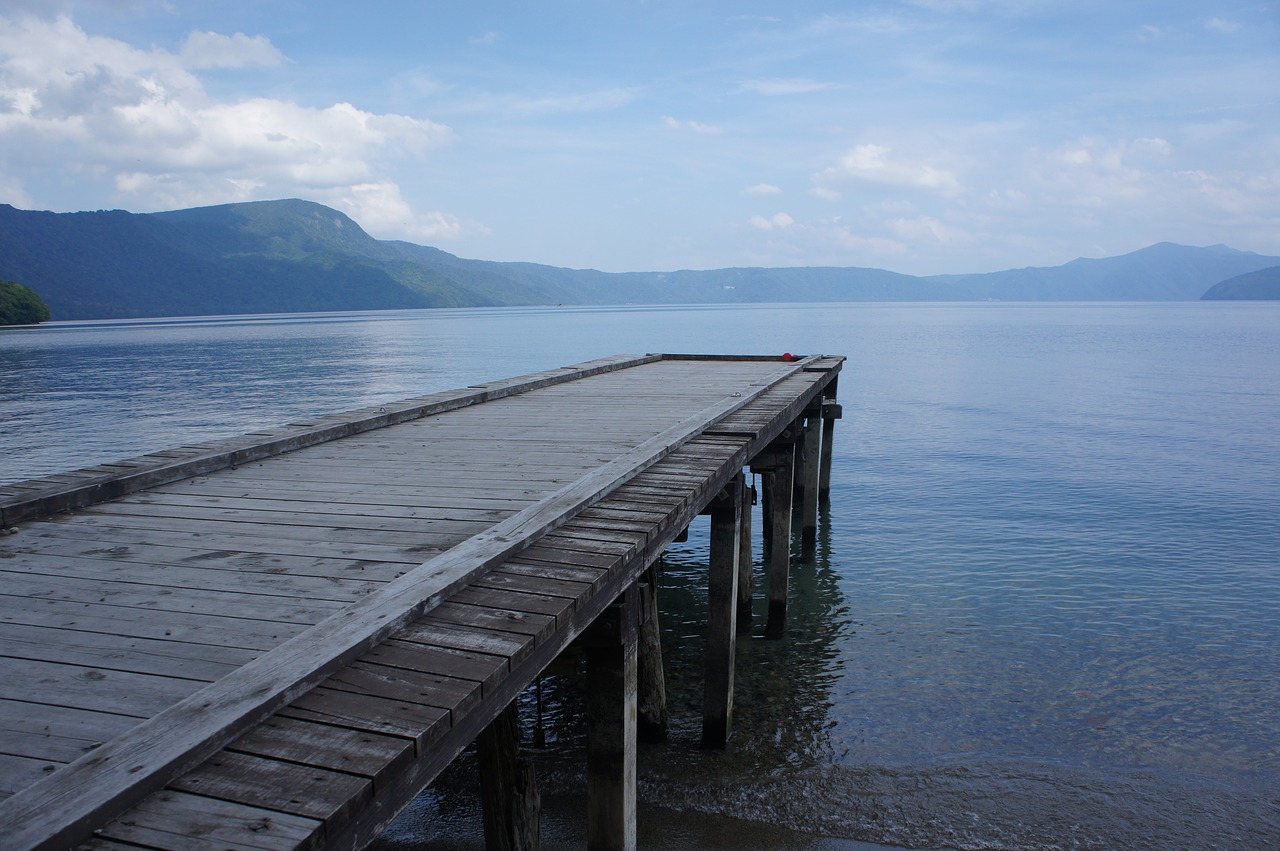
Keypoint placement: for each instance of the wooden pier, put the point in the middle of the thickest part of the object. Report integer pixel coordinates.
(277, 641)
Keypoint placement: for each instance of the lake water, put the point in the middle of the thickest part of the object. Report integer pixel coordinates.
(1045, 608)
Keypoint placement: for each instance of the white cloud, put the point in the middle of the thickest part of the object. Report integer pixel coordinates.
(872, 164)
(826, 193)
(142, 120)
(779, 221)
(695, 126)
(1150, 32)
(929, 229)
(12, 192)
(379, 208)
(212, 50)
(1221, 25)
(846, 237)
(762, 189)
(491, 37)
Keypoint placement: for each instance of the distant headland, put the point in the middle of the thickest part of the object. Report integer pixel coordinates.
(298, 256)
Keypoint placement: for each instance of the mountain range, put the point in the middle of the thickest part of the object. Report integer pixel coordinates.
(299, 256)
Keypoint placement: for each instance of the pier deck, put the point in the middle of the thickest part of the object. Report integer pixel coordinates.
(277, 641)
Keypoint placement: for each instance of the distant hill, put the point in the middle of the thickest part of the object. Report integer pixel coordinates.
(298, 256)
(1161, 272)
(1259, 285)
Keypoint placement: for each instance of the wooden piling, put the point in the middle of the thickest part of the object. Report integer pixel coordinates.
(722, 610)
(811, 470)
(652, 720)
(745, 566)
(508, 787)
(611, 644)
(830, 413)
(798, 477)
(766, 505)
(778, 464)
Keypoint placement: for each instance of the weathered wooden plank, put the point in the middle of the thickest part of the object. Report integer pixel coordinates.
(518, 600)
(332, 504)
(350, 497)
(180, 821)
(192, 627)
(276, 537)
(172, 573)
(525, 583)
(483, 668)
(18, 772)
(39, 730)
(160, 598)
(437, 633)
(223, 543)
(461, 526)
(282, 787)
(362, 753)
(136, 655)
(405, 686)
(590, 576)
(536, 626)
(364, 712)
(541, 553)
(52, 750)
(104, 690)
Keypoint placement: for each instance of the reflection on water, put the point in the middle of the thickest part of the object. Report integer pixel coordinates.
(1044, 608)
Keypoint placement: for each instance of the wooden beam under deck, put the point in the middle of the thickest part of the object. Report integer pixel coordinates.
(293, 648)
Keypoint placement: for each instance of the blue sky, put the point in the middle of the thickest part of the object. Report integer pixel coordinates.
(923, 136)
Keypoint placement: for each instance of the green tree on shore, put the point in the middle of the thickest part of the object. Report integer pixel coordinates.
(20, 306)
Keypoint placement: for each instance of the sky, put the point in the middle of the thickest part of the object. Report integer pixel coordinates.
(922, 136)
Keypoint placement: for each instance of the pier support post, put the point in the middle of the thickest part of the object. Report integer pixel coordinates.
(745, 567)
(651, 724)
(778, 463)
(766, 504)
(798, 477)
(831, 412)
(611, 726)
(722, 611)
(508, 787)
(812, 477)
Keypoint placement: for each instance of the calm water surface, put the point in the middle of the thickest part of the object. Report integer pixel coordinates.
(1045, 609)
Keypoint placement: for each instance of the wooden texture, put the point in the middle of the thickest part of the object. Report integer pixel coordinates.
(778, 481)
(722, 612)
(611, 731)
(397, 587)
(746, 572)
(812, 472)
(830, 413)
(512, 806)
(652, 718)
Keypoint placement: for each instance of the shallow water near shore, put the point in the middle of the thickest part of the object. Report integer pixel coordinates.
(1042, 613)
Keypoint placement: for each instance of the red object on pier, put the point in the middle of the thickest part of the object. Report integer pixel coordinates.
(789, 357)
